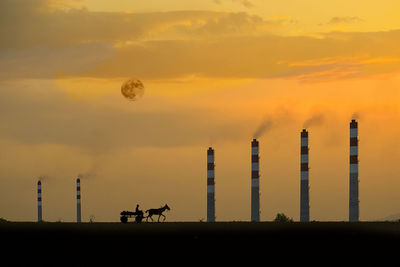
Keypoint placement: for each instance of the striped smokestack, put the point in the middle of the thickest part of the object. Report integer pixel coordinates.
(255, 182)
(304, 184)
(78, 200)
(39, 200)
(210, 185)
(353, 201)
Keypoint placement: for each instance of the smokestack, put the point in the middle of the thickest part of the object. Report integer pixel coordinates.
(78, 200)
(304, 184)
(210, 186)
(353, 201)
(39, 200)
(255, 183)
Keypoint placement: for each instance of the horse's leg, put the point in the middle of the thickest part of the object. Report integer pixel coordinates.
(164, 217)
(149, 216)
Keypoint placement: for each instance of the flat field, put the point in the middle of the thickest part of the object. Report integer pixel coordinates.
(94, 242)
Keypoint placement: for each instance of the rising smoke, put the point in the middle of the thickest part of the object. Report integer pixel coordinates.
(86, 175)
(315, 120)
(43, 178)
(281, 116)
(356, 116)
(264, 127)
(95, 168)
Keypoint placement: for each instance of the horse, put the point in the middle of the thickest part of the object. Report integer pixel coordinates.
(158, 212)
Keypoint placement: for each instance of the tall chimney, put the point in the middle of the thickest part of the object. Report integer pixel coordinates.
(39, 200)
(78, 200)
(255, 183)
(304, 183)
(353, 201)
(210, 185)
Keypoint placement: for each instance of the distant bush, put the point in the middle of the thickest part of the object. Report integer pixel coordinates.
(2, 220)
(282, 218)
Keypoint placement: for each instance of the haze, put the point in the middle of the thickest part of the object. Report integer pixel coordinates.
(214, 71)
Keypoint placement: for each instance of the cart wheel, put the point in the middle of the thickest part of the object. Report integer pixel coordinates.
(139, 219)
(124, 219)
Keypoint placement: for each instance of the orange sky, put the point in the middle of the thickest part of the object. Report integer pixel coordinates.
(212, 71)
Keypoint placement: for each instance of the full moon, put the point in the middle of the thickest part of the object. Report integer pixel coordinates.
(132, 89)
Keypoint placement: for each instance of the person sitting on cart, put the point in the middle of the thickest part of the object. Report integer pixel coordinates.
(138, 211)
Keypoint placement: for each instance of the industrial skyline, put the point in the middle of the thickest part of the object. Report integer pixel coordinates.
(255, 184)
(304, 178)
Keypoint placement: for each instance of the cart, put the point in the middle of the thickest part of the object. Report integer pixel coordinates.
(130, 214)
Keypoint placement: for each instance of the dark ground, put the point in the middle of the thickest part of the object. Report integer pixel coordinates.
(94, 244)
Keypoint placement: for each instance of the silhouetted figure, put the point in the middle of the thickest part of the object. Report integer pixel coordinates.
(139, 214)
(157, 212)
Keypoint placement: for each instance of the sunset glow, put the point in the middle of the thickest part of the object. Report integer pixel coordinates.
(212, 71)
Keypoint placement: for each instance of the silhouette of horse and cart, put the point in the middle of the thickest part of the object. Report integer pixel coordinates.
(139, 215)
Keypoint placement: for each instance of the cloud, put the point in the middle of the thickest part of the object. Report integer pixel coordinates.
(45, 62)
(36, 23)
(245, 3)
(344, 20)
(335, 56)
(46, 42)
(36, 113)
(232, 24)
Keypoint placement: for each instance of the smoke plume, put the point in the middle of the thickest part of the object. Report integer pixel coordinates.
(86, 175)
(43, 178)
(265, 126)
(315, 120)
(356, 116)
